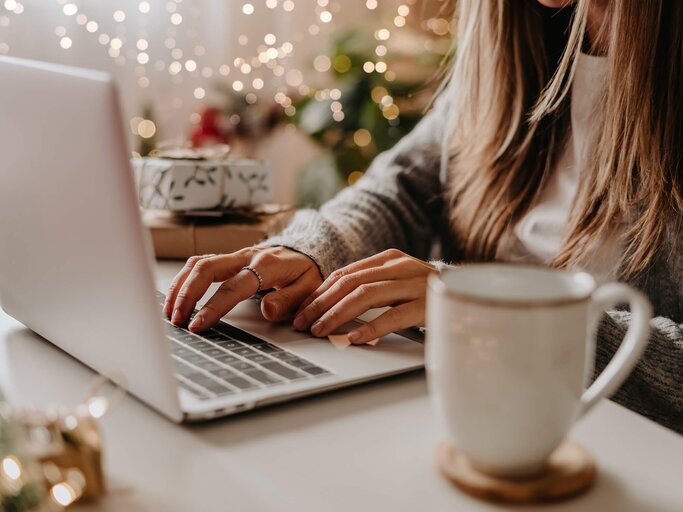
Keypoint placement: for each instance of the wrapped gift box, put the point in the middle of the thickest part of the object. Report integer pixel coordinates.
(182, 185)
(179, 237)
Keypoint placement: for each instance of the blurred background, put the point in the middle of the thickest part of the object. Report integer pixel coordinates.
(316, 87)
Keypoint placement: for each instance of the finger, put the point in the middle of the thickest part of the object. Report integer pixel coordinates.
(178, 281)
(233, 291)
(280, 304)
(400, 317)
(323, 299)
(391, 259)
(365, 297)
(277, 268)
(203, 273)
(366, 263)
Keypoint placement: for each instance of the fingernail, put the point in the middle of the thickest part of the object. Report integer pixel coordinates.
(299, 321)
(175, 320)
(272, 309)
(317, 328)
(354, 336)
(196, 322)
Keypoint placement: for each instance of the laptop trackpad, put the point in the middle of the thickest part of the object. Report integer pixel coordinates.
(392, 353)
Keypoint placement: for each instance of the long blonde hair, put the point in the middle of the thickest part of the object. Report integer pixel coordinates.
(511, 107)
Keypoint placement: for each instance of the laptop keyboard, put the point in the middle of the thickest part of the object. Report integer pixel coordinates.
(226, 360)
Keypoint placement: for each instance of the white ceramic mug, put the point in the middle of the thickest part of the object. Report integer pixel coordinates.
(510, 350)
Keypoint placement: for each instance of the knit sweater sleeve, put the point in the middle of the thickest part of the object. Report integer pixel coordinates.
(655, 387)
(396, 204)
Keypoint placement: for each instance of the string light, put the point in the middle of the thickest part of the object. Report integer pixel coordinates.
(362, 137)
(268, 57)
(68, 9)
(322, 63)
(382, 34)
(63, 494)
(11, 467)
(146, 129)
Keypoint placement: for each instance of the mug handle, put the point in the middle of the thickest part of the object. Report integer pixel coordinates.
(631, 348)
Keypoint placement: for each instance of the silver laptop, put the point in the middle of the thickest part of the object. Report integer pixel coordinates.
(76, 266)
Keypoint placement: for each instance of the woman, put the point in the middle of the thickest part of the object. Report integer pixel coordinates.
(558, 140)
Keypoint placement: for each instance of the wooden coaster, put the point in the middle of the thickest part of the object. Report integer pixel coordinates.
(570, 470)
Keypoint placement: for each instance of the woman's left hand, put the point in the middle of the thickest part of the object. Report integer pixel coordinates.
(390, 278)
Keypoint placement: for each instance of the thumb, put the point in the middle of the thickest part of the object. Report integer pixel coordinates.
(281, 304)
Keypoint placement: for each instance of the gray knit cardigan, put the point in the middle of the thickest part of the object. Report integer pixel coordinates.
(400, 203)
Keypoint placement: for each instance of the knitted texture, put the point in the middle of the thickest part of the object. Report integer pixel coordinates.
(400, 203)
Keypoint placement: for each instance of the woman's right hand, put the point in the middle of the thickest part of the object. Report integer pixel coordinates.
(293, 275)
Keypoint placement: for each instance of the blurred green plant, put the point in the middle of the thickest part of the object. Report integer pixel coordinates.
(382, 85)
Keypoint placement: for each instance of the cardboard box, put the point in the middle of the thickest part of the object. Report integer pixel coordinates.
(176, 237)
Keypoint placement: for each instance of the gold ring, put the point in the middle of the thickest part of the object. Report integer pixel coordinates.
(258, 276)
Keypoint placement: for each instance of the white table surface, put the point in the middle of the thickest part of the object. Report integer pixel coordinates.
(365, 448)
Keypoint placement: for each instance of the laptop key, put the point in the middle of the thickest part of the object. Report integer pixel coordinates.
(219, 389)
(241, 383)
(258, 358)
(209, 365)
(268, 348)
(214, 335)
(242, 366)
(262, 377)
(297, 362)
(283, 356)
(223, 373)
(181, 352)
(315, 370)
(228, 344)
(244, 351)
(201, 346)
(213, 352)
(185, 370)
(227, 359)
(194, 358)
(283, 371)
